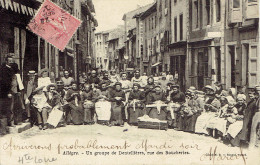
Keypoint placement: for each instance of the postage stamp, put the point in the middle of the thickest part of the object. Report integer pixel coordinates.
(54, 24)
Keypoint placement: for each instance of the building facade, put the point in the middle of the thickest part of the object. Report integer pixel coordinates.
(101, 45)
(33, 53)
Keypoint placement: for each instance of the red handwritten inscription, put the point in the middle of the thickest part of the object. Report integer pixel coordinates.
(54, 24)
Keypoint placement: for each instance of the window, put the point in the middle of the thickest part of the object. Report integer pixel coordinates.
(196, 14)
(208, 11)
(155, 22)
(152, 22)
(181, 27)
(149, 23)
(252, 9)
(235, 11)
(175, 29)
(166, 3)
(236, 3)
(218, 11)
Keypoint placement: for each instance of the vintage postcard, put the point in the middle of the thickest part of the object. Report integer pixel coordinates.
(129, 82)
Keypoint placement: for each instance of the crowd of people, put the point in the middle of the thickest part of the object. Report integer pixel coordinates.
(114, 100)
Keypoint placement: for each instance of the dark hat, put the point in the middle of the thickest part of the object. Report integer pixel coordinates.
(176, 85)
(118, 83)
(157, 85)
(51, 85)
(136, 84)
(60, 83)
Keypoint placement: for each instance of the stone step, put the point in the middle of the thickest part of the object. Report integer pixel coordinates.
(19, 128)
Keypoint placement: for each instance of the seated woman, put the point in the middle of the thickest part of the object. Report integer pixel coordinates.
(157, 108)
(136, 104)
(87, 97)
(219, 123)
(39, 101)
(191, 112)
(117, 98)
(76, 109)
(211, 106)
(235, 120)
(102, 104)
(148, 89)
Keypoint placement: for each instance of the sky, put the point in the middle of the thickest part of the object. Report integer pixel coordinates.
(109, 13)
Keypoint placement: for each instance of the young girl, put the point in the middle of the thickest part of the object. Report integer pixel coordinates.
(39, 101)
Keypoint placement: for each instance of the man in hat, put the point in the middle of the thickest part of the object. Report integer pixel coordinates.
(30, 86)
(179, 98)
(6, 75)
(248, 117)
(254, 135)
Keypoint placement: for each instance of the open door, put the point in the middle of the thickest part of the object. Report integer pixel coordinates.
(253, 75)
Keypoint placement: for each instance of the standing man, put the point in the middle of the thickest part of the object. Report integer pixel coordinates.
(178, 98)
(6, 75)
(30, 86)
(67, 81)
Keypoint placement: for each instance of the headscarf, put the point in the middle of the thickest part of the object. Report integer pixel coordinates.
(241, 96)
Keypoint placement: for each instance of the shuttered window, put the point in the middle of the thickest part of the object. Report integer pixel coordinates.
(252, 9)
(253, 75)
(235, 11)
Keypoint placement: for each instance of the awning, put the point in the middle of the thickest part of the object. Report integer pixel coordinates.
(156, 64)
(17, 7)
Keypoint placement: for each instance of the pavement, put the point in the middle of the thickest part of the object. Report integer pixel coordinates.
(98, 144)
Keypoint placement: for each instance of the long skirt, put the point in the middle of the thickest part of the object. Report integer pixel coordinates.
(219, 124)
(189, 122)
(179, 121)
(103, 112)
(254, 136)
(117, 116)
(77, 114)
(88, 112)
(133, 114)
(235, 128)
(17, 109)
(153, 113)
(202, 121)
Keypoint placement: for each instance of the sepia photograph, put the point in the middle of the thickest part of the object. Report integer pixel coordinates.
(129, 82)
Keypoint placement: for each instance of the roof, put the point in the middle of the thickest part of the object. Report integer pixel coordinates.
(136, 11)
(149, 11)
(116, 33)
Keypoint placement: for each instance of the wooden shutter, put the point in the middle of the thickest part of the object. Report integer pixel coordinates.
(235, 11)
(252, 65)
(252, 9)
(237, 67)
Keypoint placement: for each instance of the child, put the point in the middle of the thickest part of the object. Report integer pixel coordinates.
(39, 101)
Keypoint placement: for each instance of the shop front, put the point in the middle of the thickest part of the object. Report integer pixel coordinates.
(15, 38)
